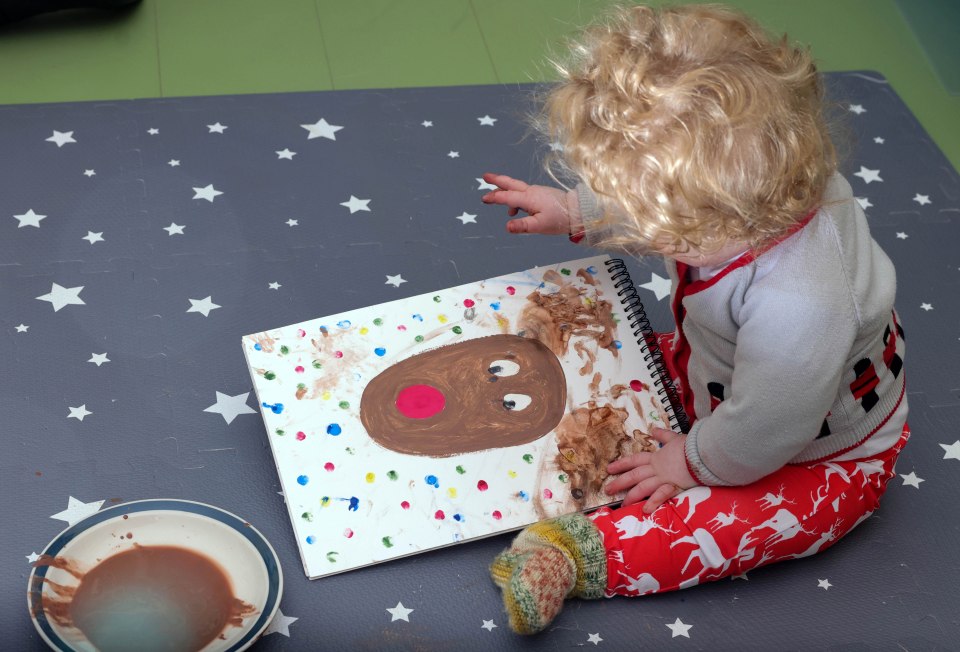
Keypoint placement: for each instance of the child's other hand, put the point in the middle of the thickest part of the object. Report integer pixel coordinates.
(549, 210)
(661, 475)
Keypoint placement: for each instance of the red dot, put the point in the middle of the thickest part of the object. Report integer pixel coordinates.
(401, 327)
(497, 515)
(301, 436)
(482, 485)
(420, 401)
(637, 386)
(468, 303)
(547, 494)
(439, 515)
(348, 533)
(511, 291)
(299, 369)
(338, 354)
(329, 466)
(405, 505)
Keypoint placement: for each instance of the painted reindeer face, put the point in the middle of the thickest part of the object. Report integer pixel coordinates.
(489, 392)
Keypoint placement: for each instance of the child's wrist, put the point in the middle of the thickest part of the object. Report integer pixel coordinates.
(575, 226)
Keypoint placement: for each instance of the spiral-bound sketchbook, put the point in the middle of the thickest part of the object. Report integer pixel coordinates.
(423, 422)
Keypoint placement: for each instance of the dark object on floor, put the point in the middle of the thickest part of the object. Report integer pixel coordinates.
(14, 10)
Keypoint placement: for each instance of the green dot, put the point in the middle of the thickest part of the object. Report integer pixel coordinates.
(344, 405)
(378, 322)
(317, 364)
(284, 349)
(563, 477)
(457, 330)
(307, 516)
(392, 475)
(461, 470)
(565, 271)
(301, 386)
(332, 556)
(350, 451)
(418, 338)
(528, 458)
(269, 375)
(437, 298)
(387, 543)
(280, 431)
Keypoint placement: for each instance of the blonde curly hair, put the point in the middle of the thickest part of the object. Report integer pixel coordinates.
(693, 122)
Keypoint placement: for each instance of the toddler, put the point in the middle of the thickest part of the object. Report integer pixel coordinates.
(695, 136)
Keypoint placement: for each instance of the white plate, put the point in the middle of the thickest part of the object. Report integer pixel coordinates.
(244, 555)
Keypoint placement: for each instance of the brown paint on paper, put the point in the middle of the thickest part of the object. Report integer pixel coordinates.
(474, 417)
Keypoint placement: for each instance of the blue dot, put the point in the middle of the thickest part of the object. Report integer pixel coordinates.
(418, 317)
(311, 539)
(303, 480)
(592, 269)
(458, 517)
(354, 504)
(276, 408)
(380, 351)
(344, 324)
(495, 305)
(617, 344)
(258, 347)
(432, 481)
(334, 429)
(524, 496)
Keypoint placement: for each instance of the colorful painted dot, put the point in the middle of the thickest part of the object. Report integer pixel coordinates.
(334, 429)
(524, 496)
(468, 303)
(387, 543)
(280, 431)
(420, 401)
(307, 516)
(343, 405)
(343, 324)
(276, 408)
(328, 467)
(324, 331)
(269, 375)
(354, 504)
(565, 271)
(405, 505)
(442, 319)
(617, 343)
(437, 298)
(371, 477)
(325, 501)
(482, 485)
(350, 451)
(284, 349)
(338, 354)
(592, 269)
(496, 515)
(528, 458)
(303, 480)
(317, 364)
(392, 475)
(439, 515)
(332, 556)
(459, 517)
(380, 351)
(495, 305)
(301, 332)
(299, 369)
(547, 494)
(432, 481)
(301, 435)
(637, 386)
(563, 478)
(417, 316)
(401, 327)
(258, 347)
(418, 338)
(452, 492)
(512, 474)
(511, 290)
(378, 322)
(460, 469)
(311, 539)
(348, 533)
(364, 330)
(457, 330)
(326, 396)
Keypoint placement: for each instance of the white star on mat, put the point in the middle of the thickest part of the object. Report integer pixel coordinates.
(487, 121)
(868, 175)
(484, 185)
(77, 510)
(952, 452)
(32, 557)
(679, 629)
(658, 285)
(466, 217)
(22, 328)
(741, 576)
(153, 131)
(217, 128)
(824, 584)
(911, 479)
(856, 108)
(99, 358)
(923, 200)
(61, 138)
(274, 286)
(400, 613)
(355, 204)
(926, 306)
(229, 407)
(203, 306)
(878, 140)
(79, 413)
(173, 163)
(901, 235)
(453, 154)
(395, 281)
(280, 625)
(208, 192)
(60, 296)
(322, 129)
(594, 638)
(286, 153)
(292, 222)
(488, 625)
(427, 123)
(89, 173)
(29, 219)
(174, 229)
(93, 237)
(864, 202)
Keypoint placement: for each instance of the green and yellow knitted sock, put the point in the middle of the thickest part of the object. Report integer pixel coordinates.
(547, 563)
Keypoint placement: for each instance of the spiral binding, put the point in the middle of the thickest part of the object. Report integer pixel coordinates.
(637, 319)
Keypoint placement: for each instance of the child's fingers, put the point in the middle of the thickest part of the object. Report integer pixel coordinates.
(662, 435)
(505, 182)
(662, 494)
(628, 462)
(511, 198)
(631, 478)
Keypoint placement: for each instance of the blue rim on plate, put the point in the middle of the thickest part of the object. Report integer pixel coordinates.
(238, 525)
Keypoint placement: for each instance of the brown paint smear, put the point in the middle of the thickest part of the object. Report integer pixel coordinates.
(187, 591)
(474, 417)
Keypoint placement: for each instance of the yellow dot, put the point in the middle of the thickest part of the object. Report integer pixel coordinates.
(326, 396)
(442, 319)
(512, 474)
(364, 330)
(452, 492)
(325, 501)
(371, 477)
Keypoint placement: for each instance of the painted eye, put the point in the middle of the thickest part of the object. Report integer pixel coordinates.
(516, 401)
(504, 368)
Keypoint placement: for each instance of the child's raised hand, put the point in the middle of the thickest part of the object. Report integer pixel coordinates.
(549, 210)
(661, 475)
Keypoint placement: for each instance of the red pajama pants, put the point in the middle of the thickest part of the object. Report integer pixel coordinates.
(708, 533)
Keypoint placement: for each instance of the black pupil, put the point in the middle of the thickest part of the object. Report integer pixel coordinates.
(509, 404)
(495, 369)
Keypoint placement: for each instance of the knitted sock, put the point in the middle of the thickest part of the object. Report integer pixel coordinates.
(547, 563)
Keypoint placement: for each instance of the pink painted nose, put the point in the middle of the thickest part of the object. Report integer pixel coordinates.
(420, 401)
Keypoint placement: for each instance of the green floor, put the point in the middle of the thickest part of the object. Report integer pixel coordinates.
(207, 47)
